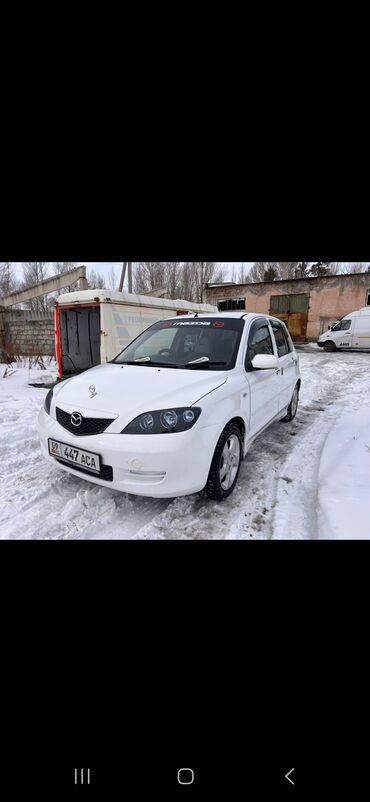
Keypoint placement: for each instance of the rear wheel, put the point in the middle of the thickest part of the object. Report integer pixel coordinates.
(225, 465)
(329, 346)
(293, 406)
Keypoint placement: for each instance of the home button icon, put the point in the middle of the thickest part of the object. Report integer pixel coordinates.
(185, 776)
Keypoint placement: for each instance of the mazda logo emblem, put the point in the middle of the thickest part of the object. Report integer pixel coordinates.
(76, 419)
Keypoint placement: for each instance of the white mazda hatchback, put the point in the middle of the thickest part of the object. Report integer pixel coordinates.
(178, 409)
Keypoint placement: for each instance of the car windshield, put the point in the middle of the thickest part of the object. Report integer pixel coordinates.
(192, 344)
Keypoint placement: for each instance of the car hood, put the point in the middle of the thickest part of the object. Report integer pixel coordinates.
(125, 391)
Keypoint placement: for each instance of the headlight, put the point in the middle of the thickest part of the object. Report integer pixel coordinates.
(163, 421)
(47, 401)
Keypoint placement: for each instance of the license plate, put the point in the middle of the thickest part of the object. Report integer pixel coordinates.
(84, 459)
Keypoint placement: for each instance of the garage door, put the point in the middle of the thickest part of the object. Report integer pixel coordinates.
(293, 310)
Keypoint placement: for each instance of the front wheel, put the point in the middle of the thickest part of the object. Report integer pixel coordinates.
(293, 406)
(225, 465)
(329, 347)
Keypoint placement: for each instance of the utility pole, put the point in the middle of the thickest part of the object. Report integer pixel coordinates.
(126, 266)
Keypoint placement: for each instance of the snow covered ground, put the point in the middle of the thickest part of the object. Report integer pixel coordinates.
(307, 479)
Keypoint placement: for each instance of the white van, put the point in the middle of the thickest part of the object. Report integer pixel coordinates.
(353, 331)
(93, 326)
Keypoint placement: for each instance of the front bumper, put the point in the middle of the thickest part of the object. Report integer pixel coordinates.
(159, 466)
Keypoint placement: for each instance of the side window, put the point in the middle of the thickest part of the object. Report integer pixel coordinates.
(281, 340)
(259, 343)
(343, 325)
(288, 338)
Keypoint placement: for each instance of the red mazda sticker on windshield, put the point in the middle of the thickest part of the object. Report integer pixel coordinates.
(219, 324)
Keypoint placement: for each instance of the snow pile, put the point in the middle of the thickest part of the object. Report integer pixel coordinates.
(344, 479)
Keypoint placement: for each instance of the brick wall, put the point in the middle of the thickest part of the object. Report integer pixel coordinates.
(27, 333)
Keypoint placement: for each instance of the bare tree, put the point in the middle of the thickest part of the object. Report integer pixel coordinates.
(302, 270)
(112, 280)
(338, 268)
(355, 267)
(173, 278)
(239, 276)
(286, 270)
(320, 269)
(187, 291)
(34, 273)
(205, 273)
(333, 268)
(8, 280)
(149, 276)
(63, 267)
(180, 279)
(271, 274)
(257, 272)
(95, 280)
(243, 275)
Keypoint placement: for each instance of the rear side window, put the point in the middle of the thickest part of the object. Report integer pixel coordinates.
(259, 343)
(281, 339)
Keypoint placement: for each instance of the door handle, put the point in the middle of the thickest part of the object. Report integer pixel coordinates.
(277, 372)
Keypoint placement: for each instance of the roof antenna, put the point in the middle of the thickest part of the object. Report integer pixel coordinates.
(196, 314)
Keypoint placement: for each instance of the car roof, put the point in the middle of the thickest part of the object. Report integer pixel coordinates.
(248, 316)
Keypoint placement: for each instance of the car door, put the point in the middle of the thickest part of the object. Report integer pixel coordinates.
(342, 334)
(264, 385)
(287, 363)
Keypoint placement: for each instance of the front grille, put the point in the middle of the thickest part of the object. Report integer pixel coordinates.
(106, 471)
(88, 425)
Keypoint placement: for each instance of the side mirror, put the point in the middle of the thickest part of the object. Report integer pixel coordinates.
(265, 362)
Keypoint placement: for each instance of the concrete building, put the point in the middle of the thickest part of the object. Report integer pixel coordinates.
(308, 306)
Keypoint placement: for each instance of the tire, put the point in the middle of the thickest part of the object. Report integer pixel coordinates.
(222, 478)
(293, 406)
(329, 347)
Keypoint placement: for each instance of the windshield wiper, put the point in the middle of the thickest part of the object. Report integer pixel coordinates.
(146, 360)
(198, 361)
(203, 362)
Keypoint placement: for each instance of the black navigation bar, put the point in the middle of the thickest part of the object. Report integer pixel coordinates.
(183, 779)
